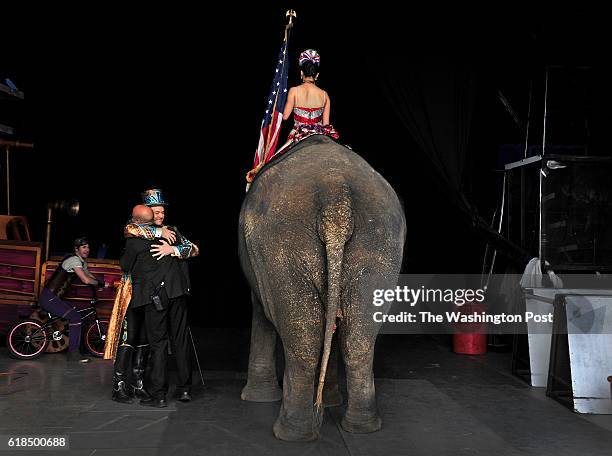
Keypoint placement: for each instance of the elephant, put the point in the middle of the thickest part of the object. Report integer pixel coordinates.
(316, 225)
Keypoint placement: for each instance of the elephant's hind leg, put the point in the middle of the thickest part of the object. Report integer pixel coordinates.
(262, 384)
(357, 340)
(301, 330)
(295, 420)
(361, 412)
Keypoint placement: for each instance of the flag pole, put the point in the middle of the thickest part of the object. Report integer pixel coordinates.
(291, 14)
(267, 147)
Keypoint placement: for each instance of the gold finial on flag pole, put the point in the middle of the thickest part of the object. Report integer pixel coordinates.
(290, 14)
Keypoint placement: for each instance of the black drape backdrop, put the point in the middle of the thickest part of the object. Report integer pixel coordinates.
(435, 103)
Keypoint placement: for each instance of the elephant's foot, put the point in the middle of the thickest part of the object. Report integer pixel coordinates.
(332, 397)
(361, 423)
(283, 430)
(261, 392)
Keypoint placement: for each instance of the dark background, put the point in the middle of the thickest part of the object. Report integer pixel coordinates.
(120, 100)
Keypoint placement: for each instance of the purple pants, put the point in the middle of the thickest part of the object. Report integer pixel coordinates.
(57, 307)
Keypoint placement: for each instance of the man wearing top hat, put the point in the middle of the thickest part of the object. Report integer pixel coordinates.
(176, 286)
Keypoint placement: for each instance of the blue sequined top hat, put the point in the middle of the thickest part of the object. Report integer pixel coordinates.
(153, 197)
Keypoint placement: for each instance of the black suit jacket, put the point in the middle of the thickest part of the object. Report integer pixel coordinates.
(182, 280)
(177, 278)
(148, 273)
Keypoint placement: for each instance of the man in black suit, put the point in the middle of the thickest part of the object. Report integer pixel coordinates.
(177, 287)
(154, 281)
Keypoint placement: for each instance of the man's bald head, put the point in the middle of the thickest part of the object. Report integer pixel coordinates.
(142, 214)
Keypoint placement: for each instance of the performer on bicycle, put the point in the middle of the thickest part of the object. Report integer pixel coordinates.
(59, 283)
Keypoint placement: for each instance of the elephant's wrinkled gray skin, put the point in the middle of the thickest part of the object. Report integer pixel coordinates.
(314, 227)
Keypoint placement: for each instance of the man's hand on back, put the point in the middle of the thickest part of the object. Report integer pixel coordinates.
(161, 250)
(168, 234)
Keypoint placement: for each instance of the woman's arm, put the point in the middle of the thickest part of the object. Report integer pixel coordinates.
(326, 110)
(290, 103)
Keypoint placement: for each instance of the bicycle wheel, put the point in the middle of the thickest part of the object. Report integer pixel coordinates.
(58, 331)
(96, 338)
(27, 339)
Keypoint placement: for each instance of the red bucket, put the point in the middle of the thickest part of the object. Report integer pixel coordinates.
(470, 338)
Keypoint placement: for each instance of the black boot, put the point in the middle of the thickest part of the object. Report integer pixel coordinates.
(121, 390)
(141, 356)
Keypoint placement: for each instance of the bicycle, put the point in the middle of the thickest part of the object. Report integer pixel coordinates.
(30, 337)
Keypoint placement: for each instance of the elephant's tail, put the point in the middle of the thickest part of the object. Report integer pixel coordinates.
(335, 227)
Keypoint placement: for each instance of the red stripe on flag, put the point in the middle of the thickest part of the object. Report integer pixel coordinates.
(275, 126)
(261, 147)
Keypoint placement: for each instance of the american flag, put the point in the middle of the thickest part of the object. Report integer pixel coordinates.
(270, 127)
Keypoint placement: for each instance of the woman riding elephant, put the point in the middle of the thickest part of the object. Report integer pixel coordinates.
(309, 105)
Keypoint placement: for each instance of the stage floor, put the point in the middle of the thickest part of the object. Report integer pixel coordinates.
(431, 401)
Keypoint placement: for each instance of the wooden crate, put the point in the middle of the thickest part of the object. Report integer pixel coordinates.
(20, 267)
(22, 277)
